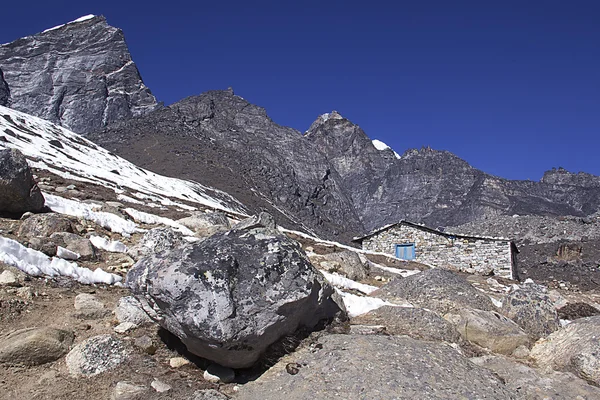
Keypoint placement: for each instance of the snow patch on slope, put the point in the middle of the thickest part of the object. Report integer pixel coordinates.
(379, 145)
(80, 19)
(64, 153)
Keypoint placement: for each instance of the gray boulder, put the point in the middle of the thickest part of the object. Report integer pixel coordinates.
(88, 306)
(4, 91)
(437, 289)
(44, 225)
(490, 330)
(232, 295)
(206, 223)
(346, 262)
(573, 348)
(533, 384)
(376, 367)
(96, 355)
(75, 243)
(411, 321)
(129, 309)
(532, 310)
(34, 346)
(155, 241)
(18, 191)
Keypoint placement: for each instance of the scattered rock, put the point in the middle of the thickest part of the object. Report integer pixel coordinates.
(532, 310)
(129, 309)
(124, 327)
(206, 223)
(577, 310)
(232, 295)
(491, 330)
(76, 244)
(18, 191)
(534, 384)
(34, 346)
(216, 373)
(44, 225)
(9, 278)
(178, 362)
(377, 367)
(89, 307)
(128, 391)
(160, 386)
(155, 241)
(96, 355)
(411, 321)
(66, 254)
(347, 263)
(43, 244)
(436, 289)
(573, 348)
(146, 344)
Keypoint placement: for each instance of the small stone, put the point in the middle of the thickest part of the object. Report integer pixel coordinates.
(128, 391)
(146, 344)
(89, 307)
(216, 373)
(96, 355)
(178, 362)
(160, 386)
(60, 189)
(8, 278)
(125, 327)
(26, 215)
(25, 293)
(521, 352)
(71, 187)
(292, 368)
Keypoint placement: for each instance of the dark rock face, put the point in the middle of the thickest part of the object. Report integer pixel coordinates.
(225, 142)
(4, 91)
(232, 295)
(18, 191)
(532, 310)
(80, 76)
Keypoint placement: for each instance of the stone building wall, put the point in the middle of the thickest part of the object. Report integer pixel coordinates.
(473, 255)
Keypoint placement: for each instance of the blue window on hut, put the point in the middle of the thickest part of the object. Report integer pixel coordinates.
(405, 251)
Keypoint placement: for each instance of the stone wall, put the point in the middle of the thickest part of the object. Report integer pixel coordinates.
(473, 255)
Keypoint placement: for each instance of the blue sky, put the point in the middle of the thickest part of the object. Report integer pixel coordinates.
(513, 87)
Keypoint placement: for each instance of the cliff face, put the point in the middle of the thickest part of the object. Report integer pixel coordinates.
(79, 75)
(220, 139)
(4, 91)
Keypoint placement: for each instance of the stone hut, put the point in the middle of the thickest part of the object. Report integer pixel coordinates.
(473, 254)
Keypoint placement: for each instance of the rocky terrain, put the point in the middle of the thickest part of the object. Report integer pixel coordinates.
(4, 92)
(79, 75)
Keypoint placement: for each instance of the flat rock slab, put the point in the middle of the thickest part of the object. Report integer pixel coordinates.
(436, 289)
(376, 367)
(411, 321)
(533, 384)
(532, 310)
(34, 346)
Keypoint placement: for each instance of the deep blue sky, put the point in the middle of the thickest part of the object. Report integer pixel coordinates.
(513, 87)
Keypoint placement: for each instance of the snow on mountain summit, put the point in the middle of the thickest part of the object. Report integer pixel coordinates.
(379, 145)
(64, 153)
(80, 19)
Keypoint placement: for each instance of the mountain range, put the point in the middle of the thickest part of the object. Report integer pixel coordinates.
(332, 180)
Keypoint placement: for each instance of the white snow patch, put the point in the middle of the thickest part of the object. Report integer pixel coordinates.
(77, 209)
(358, 305)
(127, 199)
(64, 153)
(146, 218)
(80, 19)
(496, 302)
(114, 246)
(66, 254)
(36, 263)
(379, 145)
(345, 283)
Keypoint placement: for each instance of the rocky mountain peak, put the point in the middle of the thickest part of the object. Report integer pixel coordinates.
(4, 91)
(561, 176)
(79, 75)
(321, 119)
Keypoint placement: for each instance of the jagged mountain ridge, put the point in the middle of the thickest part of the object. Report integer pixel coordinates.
(4, 91)
(79, 75)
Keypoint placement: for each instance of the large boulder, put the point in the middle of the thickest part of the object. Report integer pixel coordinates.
(532, 310)
(18, 191)
(490, 330)
(437, 289)
(533, 384)
(34, 346)
(44, 225)
(155, 241)
(96, 355)
(415, 322)
(345, 262)
(232, 295)
(575, 347)
(375, 367)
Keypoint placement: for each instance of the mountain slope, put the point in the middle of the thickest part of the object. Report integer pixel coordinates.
(64, 153)
(79, 75)
(226, 142)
